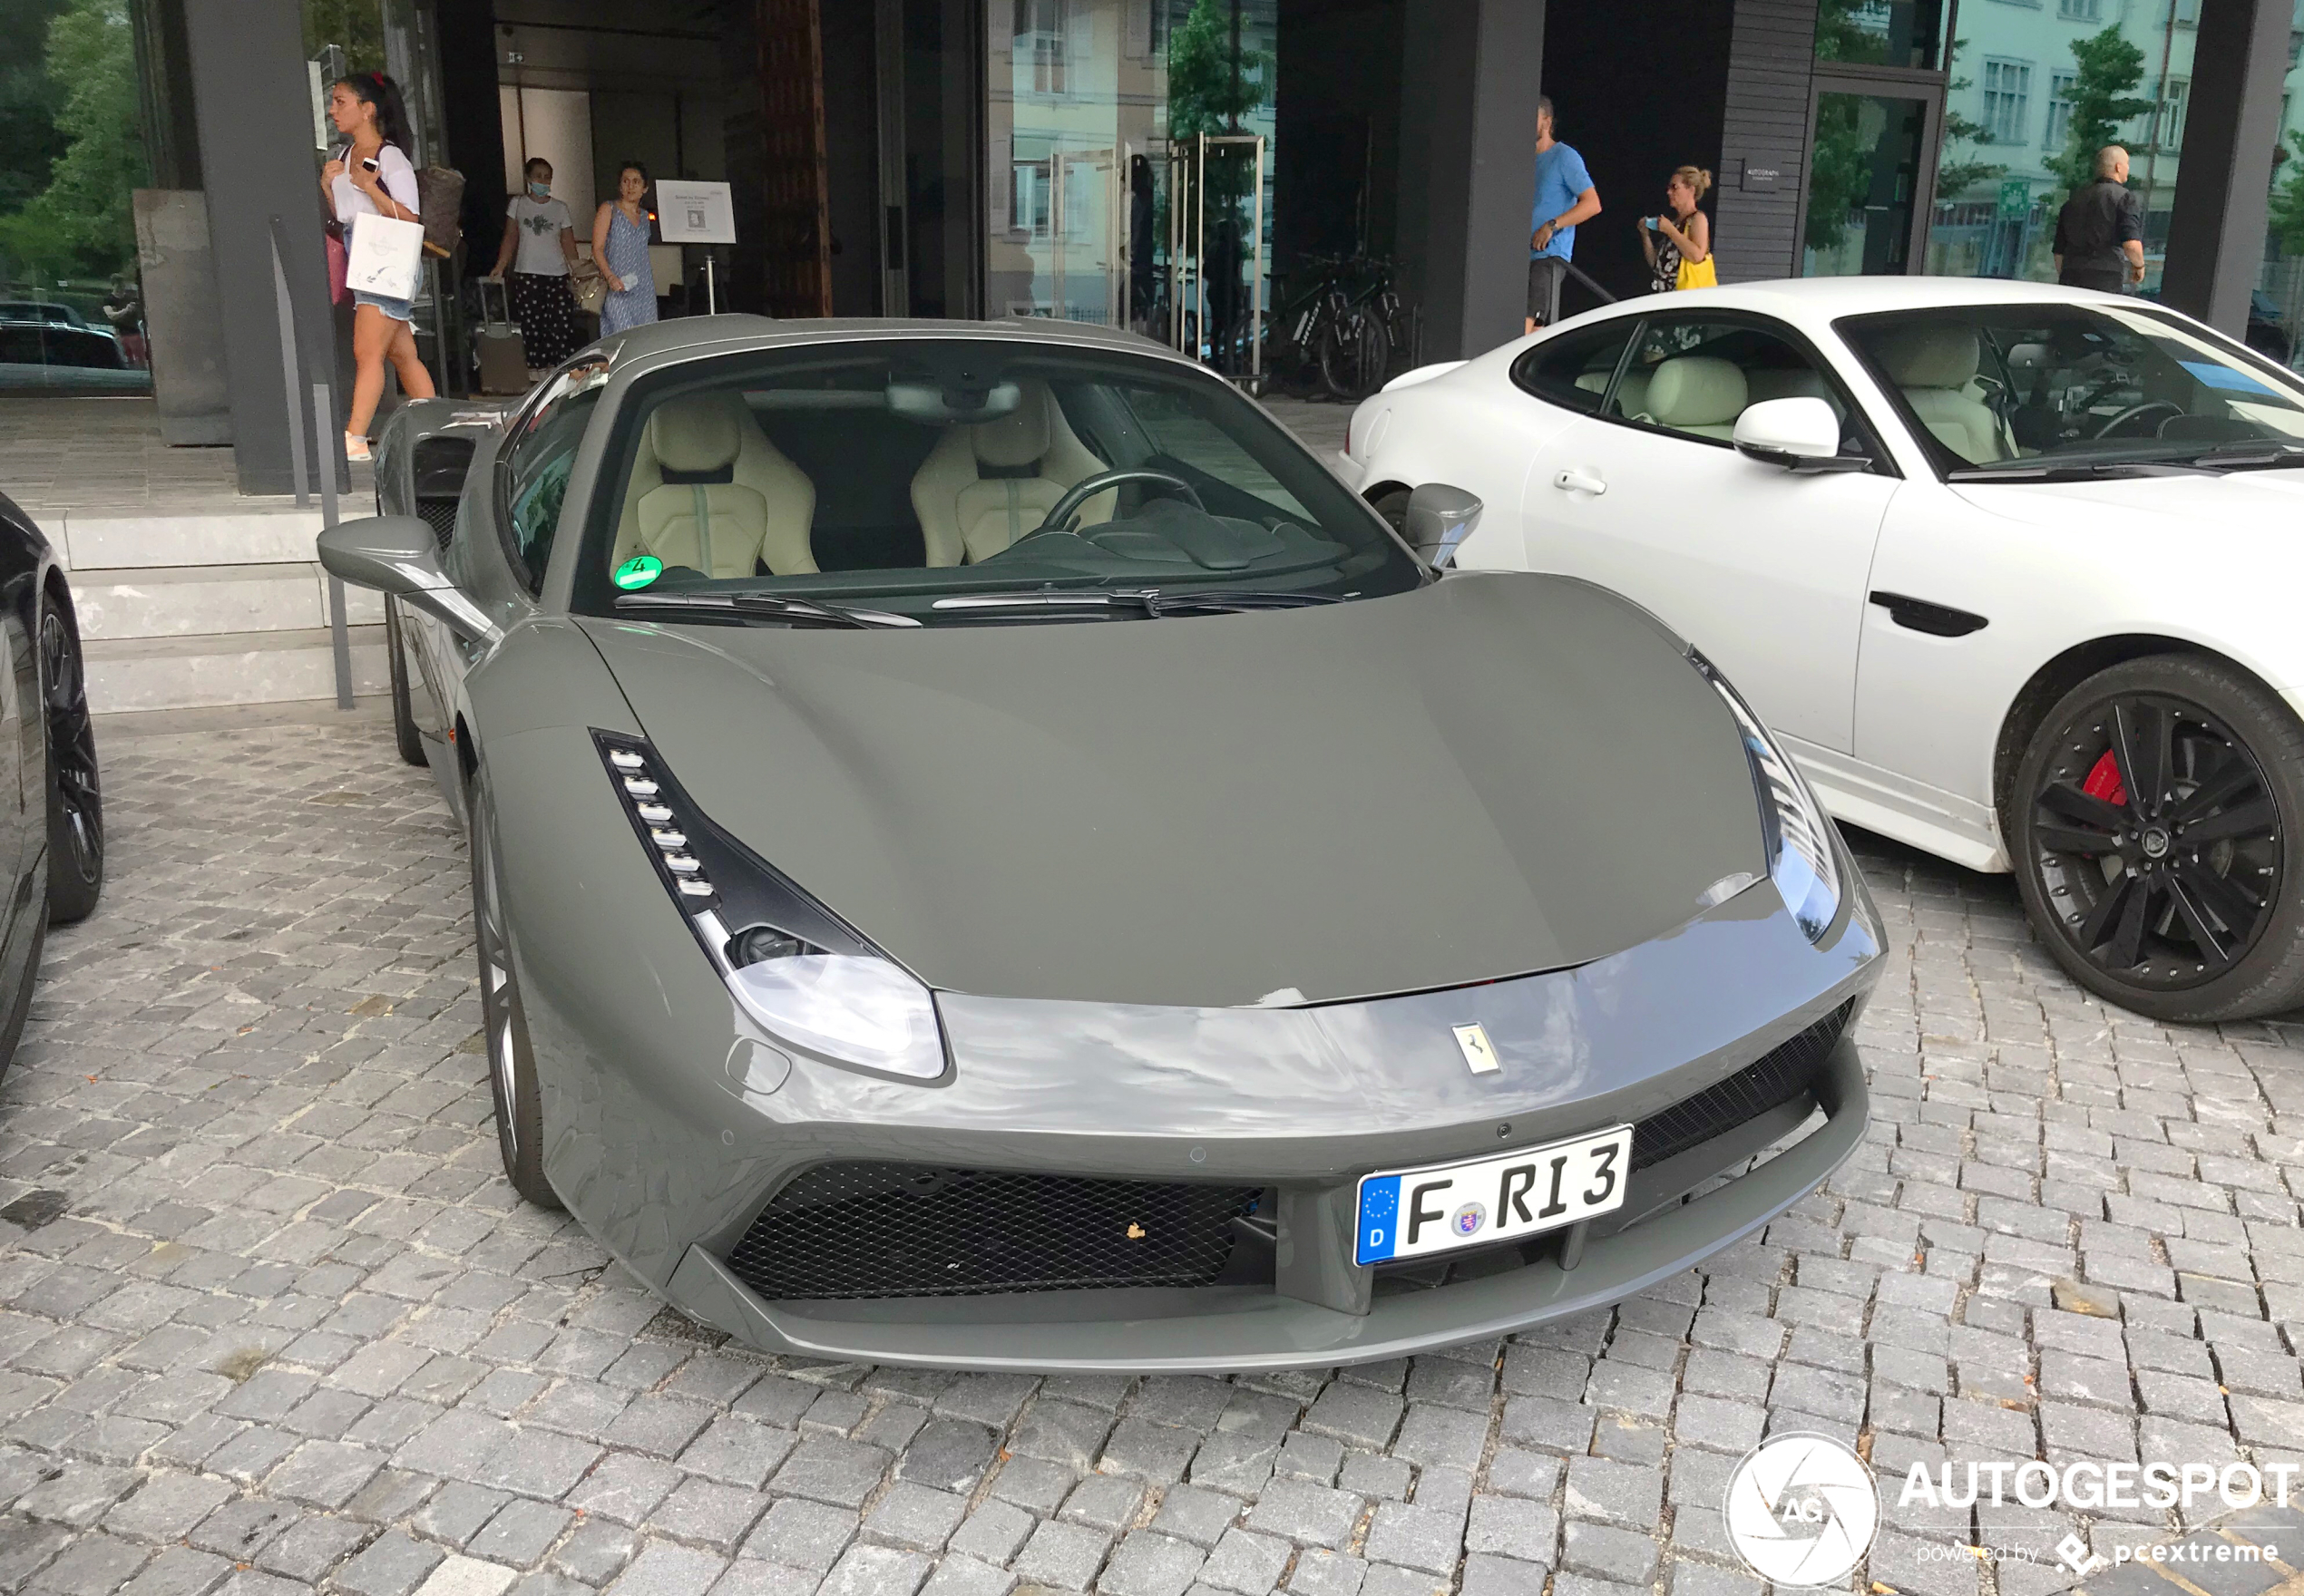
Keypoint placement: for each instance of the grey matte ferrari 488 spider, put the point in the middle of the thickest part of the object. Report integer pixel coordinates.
(985, 853)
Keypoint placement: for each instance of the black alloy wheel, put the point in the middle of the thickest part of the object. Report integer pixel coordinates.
(404, 717)
(512, 1064)
(75, 792)
(2156, 839)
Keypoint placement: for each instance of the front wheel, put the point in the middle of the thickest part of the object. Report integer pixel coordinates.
(2157, 835)
(75, 794)
(512, 1064)
(404, 716)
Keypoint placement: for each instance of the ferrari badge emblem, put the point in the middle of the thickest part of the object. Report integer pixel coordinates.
(1480, 1054)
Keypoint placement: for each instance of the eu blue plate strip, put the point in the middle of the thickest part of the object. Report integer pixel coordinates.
(1379, 1235)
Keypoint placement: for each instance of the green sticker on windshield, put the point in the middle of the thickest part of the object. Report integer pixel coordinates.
(637, 571)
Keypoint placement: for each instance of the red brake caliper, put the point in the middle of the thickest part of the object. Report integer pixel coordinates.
(2103, 781)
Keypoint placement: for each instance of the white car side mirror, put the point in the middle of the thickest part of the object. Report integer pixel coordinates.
(1803, 434)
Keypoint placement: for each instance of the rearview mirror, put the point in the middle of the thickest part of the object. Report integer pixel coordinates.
(397, 554)
(1440, 518)
(1800, 435)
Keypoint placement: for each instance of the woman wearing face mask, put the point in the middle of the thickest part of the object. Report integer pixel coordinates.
(540, 246)
(372, 174)
(620, 243)
(1677, 240)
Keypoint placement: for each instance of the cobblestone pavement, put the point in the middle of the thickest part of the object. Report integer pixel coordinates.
(271, 1318)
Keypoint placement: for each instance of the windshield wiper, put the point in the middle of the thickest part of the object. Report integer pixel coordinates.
(2241, 456)
(2074, 471)
(1151, 602)
(766, 606)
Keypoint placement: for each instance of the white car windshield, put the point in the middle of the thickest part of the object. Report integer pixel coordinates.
(2042, 391)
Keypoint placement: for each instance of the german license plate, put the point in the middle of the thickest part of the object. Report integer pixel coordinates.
(1415, 1212)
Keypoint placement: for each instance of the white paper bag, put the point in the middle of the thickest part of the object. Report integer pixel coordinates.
(384, 256)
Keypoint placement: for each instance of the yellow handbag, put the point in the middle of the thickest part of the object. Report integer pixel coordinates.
(1698, 275)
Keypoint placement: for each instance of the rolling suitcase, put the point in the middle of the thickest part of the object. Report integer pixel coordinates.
(504, 358)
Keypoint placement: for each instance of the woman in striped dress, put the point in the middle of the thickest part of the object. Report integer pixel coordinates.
(620, 243)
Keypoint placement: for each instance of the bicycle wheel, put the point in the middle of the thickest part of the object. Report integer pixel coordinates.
(1354, 354)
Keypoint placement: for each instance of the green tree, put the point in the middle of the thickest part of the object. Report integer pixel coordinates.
(29, 101)
(1840, 37)
(2288, 197)
(2109, 68)
(83, 221)
(1202, 96)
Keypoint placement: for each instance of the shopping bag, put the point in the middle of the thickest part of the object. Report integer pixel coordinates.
(384, 257)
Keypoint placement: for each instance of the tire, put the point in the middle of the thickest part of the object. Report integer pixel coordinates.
(403, 718)
(512, 1063)
(2116, 878)
(1393, 508)
(1353, 354)
(75, 791)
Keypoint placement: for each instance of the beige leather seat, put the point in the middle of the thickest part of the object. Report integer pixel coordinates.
(985, 485)
(736, 503)
(1933, 368)
(1698, 394)
(1631, 391)
(1788, 382)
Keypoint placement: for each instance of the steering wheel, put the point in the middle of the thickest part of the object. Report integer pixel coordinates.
(1059, 515)
(2134, 411)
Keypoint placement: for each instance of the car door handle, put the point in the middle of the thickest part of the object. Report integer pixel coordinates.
(1579, 481)
(1937, 620)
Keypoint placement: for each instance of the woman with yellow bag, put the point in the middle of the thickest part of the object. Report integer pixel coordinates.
(1678, 242)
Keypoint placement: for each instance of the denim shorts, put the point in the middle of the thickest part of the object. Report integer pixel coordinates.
(398, 309)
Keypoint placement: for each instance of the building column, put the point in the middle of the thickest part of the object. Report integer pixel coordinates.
(255, 117)
(1469, 79)
(2216, 234)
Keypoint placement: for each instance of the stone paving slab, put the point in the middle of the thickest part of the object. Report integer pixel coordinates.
(271, 1318)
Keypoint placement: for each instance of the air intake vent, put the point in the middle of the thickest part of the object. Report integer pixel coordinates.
(1771, 1081)
(900, 1229)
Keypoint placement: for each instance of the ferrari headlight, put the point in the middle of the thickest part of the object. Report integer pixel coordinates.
(1801, 860)
(801, 973)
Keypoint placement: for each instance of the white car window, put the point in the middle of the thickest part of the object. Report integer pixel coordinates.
(1695, 374)
(2026, 390)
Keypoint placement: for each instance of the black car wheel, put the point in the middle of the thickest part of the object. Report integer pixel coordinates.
(403, 718)
(75, 796)
(2158, 825)
(511, 1065)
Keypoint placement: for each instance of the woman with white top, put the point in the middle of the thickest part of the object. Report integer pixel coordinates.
(540, 246)
(371, 175)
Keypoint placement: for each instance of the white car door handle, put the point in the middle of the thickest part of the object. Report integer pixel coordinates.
(1579, 481)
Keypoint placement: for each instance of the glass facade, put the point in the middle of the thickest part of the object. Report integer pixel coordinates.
(1863, 183)
(71, 157)
(1086, 101)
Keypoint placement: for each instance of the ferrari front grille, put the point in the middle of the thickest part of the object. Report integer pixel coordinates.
(900, 1229)
(1771, 1081)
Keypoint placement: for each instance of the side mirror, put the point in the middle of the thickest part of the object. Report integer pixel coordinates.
(1440, 518)
(397, 554)
(1800, 435)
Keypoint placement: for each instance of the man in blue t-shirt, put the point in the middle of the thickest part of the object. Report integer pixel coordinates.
(1564, 197)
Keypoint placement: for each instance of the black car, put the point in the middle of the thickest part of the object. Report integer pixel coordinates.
(56, 836)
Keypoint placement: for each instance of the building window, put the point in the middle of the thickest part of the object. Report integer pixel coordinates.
(2168, 124)
(2187, 14)
(1040, 44)
(2059, 129)
(2008, 101)
(2081, 10)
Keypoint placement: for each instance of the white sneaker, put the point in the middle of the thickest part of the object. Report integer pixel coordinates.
(356, 447)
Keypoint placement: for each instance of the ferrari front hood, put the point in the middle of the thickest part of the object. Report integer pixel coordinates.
(1492, 777)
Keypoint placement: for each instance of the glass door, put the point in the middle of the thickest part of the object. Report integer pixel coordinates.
(1869, 166)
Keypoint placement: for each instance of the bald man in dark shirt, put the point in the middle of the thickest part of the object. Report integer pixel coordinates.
(2100, 231)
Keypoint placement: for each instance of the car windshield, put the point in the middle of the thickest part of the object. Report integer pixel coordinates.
(955, 481)
(2043, 390)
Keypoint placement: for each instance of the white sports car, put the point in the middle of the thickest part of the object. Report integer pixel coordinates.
(2016, 572)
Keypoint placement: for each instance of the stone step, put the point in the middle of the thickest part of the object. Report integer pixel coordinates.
(230, 667)
(87, 542)
(194, 600)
